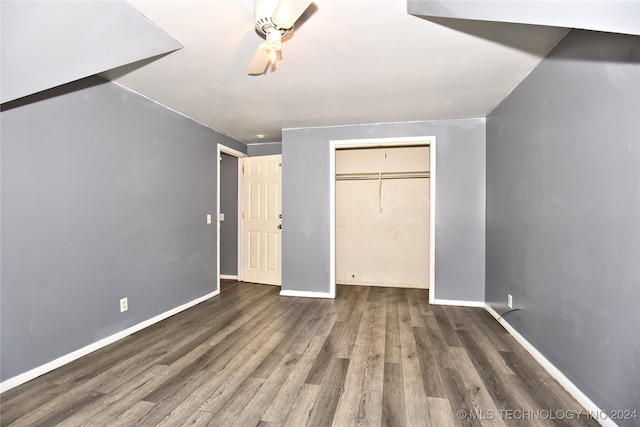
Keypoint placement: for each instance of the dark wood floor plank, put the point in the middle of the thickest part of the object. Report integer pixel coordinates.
(234, 407)
(550, 386)
(396, 296)
(302, 406)
(504, 395)
(253, 411)
(122, 400)
(350, 295)
(496, 336)
(447, 329)
(54, 414)
(431, 379)
(451, 378)
(21, 400)
(183, 369)
(546, 398)
(130, 417)
(327, 354)
(224, 350)
(281, 404)
(315, 318)
(208, 315)
(133, 366)
(350, 405)
(423, 302)
(458, 317)
(227, 327)
(84, 368)
(227, 284)
(101, 409)
(237, 372)
(377, 345)
(415, 398)
(414, 297)
(199, 419)
(392, 332)
(371, 357)
(393, 404)
(329, 395)
(440, 412)
(349, 334)
(169, 402)
(294, 383)
(72, 394)
(481, 400)
(482, 338)
(292, 327)
(370, 408)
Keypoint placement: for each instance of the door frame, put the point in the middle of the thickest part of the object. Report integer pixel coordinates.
(239, 156)
(334, 145)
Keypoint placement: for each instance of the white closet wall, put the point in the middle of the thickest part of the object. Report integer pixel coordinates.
(382, 216)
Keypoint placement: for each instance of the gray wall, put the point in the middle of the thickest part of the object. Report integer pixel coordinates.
(229, 207)
(563, 213)
(264, 149)
(460, 203)
(104, 196)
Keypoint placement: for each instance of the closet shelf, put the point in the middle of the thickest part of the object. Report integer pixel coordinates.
(381, 175)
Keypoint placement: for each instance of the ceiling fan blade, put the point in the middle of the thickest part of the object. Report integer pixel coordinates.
(259, 62)
(288, 11)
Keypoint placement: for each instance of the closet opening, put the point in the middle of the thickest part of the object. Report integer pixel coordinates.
(383, 211)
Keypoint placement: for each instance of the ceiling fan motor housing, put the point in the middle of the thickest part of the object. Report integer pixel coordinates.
(262, 12)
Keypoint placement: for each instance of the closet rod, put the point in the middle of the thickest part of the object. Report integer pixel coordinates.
(383, 175)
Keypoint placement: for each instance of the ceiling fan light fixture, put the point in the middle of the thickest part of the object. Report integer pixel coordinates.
(273, 19)
(273, 56)
(274, 39)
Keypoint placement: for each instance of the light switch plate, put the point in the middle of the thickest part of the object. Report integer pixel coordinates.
(208, 218)
(221, 217)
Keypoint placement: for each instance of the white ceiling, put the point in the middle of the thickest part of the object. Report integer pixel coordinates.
(349, 62)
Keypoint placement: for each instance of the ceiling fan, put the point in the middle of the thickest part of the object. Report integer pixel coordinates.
(273, 20)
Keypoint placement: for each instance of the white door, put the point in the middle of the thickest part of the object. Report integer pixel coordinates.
(262, 220)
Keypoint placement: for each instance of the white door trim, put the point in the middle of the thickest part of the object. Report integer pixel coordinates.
(239, 155)
(382, 142)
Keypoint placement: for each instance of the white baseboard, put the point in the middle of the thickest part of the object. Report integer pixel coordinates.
(382, 284)
(306, 294)
(63, 360)
(459, 303)
(556, 373)
(229, 276)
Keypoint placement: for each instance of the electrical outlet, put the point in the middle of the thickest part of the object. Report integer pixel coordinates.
(509, 301)
(124, 304)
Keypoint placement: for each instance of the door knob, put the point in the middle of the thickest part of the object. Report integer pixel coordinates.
(279, 226)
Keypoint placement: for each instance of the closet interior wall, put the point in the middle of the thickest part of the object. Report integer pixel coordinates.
(382, 216)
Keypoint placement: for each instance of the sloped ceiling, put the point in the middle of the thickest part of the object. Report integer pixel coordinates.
(616, 16)
(49, 43)
(349, 62)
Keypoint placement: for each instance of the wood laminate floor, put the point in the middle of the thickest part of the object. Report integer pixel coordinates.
(248, 357)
